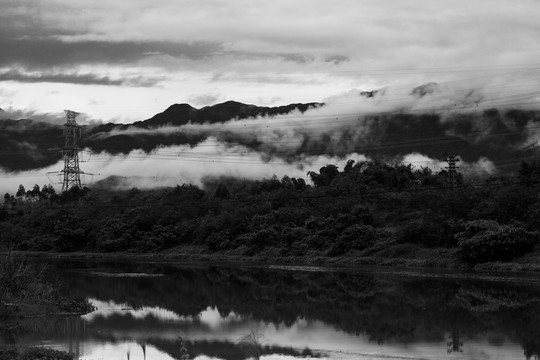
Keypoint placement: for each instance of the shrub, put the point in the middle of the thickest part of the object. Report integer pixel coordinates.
(219, 241)
(431, 232)
(19, 279)
(291, 234)
(471, 228)
(419, 232)
(8, 352)
(258, 241)
(495, 244)
(356, 237)
(68, 239)
(117, 235)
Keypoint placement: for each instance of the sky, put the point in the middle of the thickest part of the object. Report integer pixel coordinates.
(124, 61)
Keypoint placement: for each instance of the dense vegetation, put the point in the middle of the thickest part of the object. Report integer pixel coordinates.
(366, 210)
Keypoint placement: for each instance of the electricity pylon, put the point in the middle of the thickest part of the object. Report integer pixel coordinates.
(451, 159)
(71, 174)
(70, 152)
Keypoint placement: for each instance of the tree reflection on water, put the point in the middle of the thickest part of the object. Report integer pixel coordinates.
(382, 308)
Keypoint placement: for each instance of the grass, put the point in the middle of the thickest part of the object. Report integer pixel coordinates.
(11, 352)
(26, 293)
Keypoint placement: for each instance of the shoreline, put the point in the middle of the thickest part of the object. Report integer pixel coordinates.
(319, 262)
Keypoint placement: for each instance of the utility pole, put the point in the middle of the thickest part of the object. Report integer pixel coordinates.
(451, 159)
(70, 152)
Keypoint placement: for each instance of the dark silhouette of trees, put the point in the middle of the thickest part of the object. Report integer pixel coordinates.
(325, 176)
(371, 208)
(222, 192)
(21, 191)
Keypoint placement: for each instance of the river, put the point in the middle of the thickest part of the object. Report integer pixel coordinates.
(170, 311)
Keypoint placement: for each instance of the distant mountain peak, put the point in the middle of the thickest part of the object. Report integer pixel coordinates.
(180, 107)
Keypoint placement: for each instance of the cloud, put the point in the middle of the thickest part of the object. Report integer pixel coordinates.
(15, 114)
(38, 53)
(174, 165)
(481, 168)
(301, 51)
(395, 121)
(337, 59)
(74, 78)
(204, 99)
(54, 118)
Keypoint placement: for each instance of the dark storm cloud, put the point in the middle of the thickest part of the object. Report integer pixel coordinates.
(29, 38)
(72, 78)
(43, 53)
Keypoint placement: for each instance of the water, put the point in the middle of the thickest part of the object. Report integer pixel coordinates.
(157, 311)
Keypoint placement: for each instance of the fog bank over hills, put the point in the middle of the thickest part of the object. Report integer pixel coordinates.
(487, 127)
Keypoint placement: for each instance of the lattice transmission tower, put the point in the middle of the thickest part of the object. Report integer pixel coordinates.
(451, 159)
(70, 152)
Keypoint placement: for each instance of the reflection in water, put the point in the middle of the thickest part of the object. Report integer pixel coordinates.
(236, 313)
(455, 344)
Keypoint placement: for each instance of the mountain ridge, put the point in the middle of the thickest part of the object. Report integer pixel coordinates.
(22, 141)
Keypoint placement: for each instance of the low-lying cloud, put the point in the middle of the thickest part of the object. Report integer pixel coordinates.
(174, 165)
(481, 168)
(389, 121)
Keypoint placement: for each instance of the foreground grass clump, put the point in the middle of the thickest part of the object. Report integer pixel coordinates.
(9, 352)
(19, 280)
(26, 292)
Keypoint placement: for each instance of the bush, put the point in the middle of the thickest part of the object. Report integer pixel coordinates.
(256, 242)
(426, 232)
(69, 239)
(291, 234)
(117, 235)
(8, 352)
(356, 237)
(495, 244)
(219, 241)
(19, 279)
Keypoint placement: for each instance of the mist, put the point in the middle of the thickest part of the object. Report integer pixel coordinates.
(171, 166)
(491, 118)
(176, 165)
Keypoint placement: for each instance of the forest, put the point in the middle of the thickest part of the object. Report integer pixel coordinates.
(369, 212)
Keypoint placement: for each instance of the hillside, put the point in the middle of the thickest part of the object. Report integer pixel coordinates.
(367, 212)
(26, 144)
(291, 132)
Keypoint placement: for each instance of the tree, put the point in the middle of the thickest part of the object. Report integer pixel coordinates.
(349, 166)
(222, 192)
(325, 176)
(34, 193)
(21, 191)
(48, 191)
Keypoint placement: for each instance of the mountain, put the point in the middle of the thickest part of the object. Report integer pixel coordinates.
(26, 144)
(495, 134)
(181, 114)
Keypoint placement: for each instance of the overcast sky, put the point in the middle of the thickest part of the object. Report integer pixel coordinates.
(127, 60)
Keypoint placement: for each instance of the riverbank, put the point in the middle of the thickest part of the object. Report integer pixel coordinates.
(26, 293)
(426, 258)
